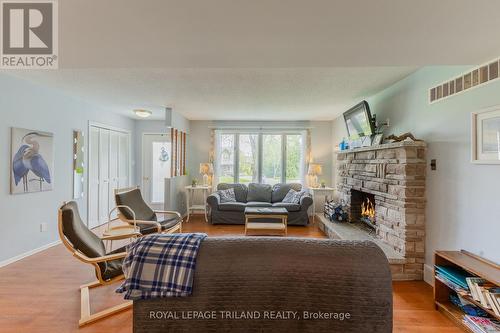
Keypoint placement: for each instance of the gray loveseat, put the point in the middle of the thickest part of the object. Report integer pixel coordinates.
(257, 195)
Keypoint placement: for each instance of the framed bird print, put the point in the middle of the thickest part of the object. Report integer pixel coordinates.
(32, 161)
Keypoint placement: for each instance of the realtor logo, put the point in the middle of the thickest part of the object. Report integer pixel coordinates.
(29, 35)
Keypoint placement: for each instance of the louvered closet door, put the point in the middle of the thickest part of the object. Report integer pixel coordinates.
(114, 158)
(93, 195)
(109, 168)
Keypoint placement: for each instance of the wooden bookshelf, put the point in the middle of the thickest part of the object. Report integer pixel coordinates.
(471, 263)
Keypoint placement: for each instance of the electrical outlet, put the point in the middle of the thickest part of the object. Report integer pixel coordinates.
(43, 227)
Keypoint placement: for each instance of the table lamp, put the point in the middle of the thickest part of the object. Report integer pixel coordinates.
(314, 171)
(205, 170)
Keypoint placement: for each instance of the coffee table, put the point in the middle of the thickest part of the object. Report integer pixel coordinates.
(270, 218)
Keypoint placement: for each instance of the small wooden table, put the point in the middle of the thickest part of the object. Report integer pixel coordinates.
(190, 194)
(277, 216)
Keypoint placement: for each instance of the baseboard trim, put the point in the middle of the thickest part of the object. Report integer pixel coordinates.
(29, 253)
(429, 275)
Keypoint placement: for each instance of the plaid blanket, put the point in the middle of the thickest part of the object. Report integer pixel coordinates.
(160, 266)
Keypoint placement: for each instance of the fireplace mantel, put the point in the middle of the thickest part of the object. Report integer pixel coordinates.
(385, 146)
(395, 174)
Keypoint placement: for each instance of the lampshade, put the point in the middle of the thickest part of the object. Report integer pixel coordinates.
(315, 169)
(206, 168)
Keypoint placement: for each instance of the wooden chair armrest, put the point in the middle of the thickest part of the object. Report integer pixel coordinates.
(96, 260)
(169, 212)
(124, 236)
(148, 222)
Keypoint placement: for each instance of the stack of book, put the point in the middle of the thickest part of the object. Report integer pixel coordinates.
(487, 294)
(482, 324)
(453, 277)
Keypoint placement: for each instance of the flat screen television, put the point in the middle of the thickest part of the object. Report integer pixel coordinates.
(358, 121)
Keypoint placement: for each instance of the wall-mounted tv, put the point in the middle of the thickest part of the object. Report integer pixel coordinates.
(358, 121)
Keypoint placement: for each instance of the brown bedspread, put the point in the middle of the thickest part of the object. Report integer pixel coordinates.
(266, 284)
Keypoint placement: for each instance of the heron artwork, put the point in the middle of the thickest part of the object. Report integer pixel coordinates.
(29, 167)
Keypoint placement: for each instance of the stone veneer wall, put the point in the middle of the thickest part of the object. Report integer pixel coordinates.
(395, 174)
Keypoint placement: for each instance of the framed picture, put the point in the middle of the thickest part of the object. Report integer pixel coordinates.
(32, 161)
(486, 136)
(377, 139)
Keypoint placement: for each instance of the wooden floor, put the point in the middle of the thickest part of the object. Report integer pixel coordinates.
(40, 293)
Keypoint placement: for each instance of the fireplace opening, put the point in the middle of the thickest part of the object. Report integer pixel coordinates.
(363, 208)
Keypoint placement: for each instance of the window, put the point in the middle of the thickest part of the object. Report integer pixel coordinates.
(294, 159)
(268, 157)
(226, 158)
(248, 158)
(272, 158)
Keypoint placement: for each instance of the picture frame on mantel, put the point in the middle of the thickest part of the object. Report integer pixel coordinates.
(485, 130)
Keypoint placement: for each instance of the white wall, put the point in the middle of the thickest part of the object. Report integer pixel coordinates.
(24, 104)
(463, 210)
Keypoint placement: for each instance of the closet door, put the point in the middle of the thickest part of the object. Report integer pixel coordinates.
(114, 144)
(93, 193)
(104, 185)
(124, 161)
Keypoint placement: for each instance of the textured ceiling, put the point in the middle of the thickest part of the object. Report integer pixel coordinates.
(273, 59)
(224, 94)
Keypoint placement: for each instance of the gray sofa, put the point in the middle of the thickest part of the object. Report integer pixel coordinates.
(257, 195)
(311, 278)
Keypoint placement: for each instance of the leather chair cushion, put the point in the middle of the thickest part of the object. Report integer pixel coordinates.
(134, 200)
(78, 234)
(113, 268)
(168, 223)
(85, 241)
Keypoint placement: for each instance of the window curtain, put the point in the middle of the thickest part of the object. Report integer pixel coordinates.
(309, 158)
(212, 159)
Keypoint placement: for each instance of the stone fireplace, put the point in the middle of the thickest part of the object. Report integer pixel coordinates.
(392, 178)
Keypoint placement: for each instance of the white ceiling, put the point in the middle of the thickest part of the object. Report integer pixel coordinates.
(273, 59)
(225, 94)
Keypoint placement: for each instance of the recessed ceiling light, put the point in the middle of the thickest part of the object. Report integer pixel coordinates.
(143, 113)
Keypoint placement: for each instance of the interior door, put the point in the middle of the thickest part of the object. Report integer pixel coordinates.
(155, 168)
(93, 192)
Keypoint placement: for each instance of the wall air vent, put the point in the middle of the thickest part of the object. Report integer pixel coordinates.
(477, 77)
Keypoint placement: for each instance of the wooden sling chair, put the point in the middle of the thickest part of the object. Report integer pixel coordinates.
(89, 248)
(133, 210)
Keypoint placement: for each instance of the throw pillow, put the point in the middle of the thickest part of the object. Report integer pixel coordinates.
(227, 195)
(291, 197)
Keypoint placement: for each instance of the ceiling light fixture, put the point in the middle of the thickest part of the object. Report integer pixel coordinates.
(143, 113)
